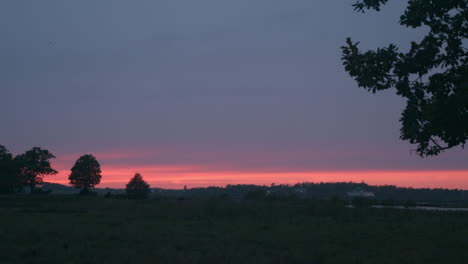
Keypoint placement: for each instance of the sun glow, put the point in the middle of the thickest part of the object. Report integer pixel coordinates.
(195, 176)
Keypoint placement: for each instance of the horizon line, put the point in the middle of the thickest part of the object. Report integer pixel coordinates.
(446, 179)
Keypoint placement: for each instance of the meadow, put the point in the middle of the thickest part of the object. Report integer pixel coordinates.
(73, 229)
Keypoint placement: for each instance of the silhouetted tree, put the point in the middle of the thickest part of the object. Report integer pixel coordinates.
(137, 188)
(33, 165)
(86, 173)
(9, 178)
(432, 76)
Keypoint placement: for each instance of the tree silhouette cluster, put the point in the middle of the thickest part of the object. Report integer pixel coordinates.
(30, 168)
(27, 169)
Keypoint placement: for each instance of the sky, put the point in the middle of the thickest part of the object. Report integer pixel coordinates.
(207, 92)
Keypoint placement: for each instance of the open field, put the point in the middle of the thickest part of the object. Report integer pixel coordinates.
(72, 229)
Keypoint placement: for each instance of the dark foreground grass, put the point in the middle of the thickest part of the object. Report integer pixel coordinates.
(66, 229)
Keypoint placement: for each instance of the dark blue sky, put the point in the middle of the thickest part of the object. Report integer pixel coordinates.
(245, 85)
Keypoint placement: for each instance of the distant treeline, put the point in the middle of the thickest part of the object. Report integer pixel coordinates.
(340, 190)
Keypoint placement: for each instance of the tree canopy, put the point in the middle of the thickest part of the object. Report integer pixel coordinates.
(432, 75)
(137, 188)
(86, 173)
(33, 165)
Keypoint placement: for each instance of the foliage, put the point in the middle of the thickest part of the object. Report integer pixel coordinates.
(255, 195)
(5, 154)
(432, 76)
(33, 165)
(86, 173)
(137, 188)
(9, 178)
(324, 190)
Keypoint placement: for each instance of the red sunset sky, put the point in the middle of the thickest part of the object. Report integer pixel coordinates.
(208, 93)
(116, 173)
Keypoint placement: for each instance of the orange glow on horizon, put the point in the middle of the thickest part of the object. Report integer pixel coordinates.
(176, 177)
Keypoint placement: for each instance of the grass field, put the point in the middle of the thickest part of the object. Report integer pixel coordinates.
(71, 229)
